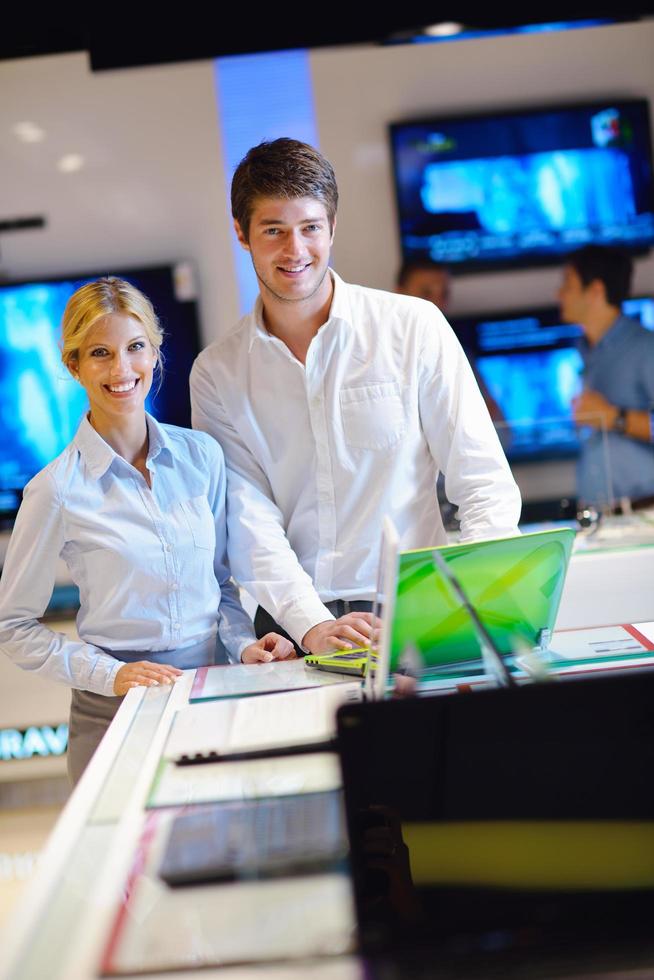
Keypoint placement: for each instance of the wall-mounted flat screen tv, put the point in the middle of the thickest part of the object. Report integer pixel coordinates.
(524, 187)
(40, 403)
(529, 364)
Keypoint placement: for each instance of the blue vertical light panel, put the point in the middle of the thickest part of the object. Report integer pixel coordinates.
(261, 97)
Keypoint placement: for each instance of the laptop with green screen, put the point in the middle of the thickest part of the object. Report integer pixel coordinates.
(514, 584)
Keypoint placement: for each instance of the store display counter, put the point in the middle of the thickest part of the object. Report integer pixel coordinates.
(96, 907)
(85, 891)
(610, 574)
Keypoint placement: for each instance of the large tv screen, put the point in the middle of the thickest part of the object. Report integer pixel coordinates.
(524, 187)
(40, 403)
(530, 365)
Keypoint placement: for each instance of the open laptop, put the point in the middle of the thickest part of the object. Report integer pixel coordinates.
(503, 832)
(514, 586)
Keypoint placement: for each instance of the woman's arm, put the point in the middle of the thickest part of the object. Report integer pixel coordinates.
(26, 586)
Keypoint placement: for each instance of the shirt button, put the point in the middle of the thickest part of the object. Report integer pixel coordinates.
(177, 626)
(174, 587)
(167, 547)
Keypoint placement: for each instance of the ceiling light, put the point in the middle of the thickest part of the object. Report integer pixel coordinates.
(28, 132)
(446, 28)
(70, 163)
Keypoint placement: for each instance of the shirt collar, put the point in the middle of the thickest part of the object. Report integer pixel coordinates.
(159, 441)
(339, 310)
(257, 328)
(98, 454)
(615, 331)
(611, 337)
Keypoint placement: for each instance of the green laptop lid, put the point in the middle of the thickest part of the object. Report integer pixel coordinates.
(514, 584)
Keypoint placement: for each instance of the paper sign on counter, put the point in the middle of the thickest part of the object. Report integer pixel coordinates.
(266, 721)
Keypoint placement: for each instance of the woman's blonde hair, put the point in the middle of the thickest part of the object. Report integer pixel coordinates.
(100, 298)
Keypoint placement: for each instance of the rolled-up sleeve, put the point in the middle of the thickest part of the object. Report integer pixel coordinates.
(26, 586)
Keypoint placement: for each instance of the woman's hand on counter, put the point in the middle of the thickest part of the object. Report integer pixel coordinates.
(143, 673)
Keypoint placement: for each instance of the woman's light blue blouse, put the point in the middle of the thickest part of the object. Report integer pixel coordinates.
(150, 564)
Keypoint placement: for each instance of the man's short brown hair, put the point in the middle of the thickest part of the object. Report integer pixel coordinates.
(612, 266)
(282, 168)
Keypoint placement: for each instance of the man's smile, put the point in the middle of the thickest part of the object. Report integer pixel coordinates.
(293, 270)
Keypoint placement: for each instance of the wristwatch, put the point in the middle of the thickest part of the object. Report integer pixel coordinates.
(620, 421)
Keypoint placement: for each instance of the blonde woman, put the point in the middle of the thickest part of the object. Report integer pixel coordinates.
(136, 509)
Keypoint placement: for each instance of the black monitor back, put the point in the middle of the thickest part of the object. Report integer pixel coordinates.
(504, 829)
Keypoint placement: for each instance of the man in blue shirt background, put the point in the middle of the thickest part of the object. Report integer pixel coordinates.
(617, 457)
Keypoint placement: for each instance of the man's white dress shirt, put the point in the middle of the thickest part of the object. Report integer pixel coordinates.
(318, 454)
(150, 563)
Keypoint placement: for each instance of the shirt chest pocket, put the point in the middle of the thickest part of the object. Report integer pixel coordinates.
(198, 516)
(373, 416)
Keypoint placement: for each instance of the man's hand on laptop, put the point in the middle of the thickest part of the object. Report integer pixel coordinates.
(351, 630)
(272, 646)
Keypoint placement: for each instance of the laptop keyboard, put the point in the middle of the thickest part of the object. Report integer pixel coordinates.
(259, 838)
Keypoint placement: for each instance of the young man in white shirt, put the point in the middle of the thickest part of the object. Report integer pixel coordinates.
(335, 405)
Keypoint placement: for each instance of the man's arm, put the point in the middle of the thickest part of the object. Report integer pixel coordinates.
(593, 409)
(462, 438)
(235, 628)
(260, 555)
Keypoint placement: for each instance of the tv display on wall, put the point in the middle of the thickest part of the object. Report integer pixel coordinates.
(40, 403)
(524, 187)
(531, 366)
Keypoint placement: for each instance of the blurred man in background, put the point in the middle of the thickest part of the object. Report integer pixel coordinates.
(426, 280)
(618, 393)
